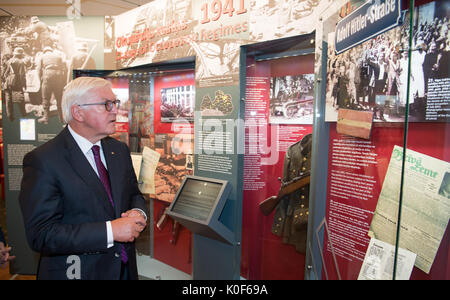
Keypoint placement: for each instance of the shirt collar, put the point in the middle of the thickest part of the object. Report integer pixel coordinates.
(84, 144)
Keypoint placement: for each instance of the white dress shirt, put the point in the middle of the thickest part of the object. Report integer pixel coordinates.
(86, 148)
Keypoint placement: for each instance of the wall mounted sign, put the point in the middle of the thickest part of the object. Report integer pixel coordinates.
(369, 20)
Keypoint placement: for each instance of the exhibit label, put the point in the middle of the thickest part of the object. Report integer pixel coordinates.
(369, 20)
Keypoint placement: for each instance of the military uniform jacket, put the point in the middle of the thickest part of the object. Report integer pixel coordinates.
(15, 74)
(291, 214)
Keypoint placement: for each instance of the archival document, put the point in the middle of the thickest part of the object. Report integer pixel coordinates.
(379, 262)
(150, 160)
(425, 206)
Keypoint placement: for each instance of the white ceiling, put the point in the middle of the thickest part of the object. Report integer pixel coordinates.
(62, 7)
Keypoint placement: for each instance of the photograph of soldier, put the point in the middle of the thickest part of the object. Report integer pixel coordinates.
(81, 60)
(374, 74)
(48, 47)
(291, 99)
(51, 68)
(14, 82)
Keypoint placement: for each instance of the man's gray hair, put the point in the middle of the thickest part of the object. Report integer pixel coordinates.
(78, 91)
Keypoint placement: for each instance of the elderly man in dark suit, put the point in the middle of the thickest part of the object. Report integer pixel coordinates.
(79, 195)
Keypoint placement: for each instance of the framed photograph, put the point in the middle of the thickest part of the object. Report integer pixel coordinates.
(177, 103)
(291, 99)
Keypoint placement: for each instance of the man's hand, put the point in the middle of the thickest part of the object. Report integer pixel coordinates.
(127, 229)
(4, 255)
(134, 213)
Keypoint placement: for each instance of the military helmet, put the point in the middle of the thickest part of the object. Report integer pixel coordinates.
(34, 20)
(18, 51)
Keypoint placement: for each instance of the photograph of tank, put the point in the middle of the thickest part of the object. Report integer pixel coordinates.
(291, 99)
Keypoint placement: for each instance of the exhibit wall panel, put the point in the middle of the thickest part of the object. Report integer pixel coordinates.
(276, 120)
(28, 121)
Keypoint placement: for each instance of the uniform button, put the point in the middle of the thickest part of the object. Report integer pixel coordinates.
(279, 219)
(304, 158)
(302, 196)
(303, 169)
(117, 255)
(307, 212)
(301, 205)
(297, 216)
(301, 214)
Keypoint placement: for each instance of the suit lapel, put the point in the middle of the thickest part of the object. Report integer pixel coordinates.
(82, 167)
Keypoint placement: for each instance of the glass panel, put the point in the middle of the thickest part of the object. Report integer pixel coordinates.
(385, 211)
(425, 202)
(358, 123)
(278, 124)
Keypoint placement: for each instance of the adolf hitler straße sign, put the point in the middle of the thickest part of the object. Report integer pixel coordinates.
(367, 21)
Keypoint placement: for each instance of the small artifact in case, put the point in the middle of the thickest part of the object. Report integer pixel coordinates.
(355, 123)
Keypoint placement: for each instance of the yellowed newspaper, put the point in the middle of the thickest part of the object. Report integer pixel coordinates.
(136, 160)
(150, 160)
(425, 205)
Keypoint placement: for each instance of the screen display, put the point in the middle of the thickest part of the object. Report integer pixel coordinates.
(197, 198)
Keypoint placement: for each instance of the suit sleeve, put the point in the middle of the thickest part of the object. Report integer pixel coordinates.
(42, 204)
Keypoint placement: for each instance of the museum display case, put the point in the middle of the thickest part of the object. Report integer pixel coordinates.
(380, 211)
(326, 121)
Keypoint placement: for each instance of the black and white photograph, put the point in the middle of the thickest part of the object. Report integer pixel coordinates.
(160, 22)
(276, 19)
(177, 102)
(373, 76)
(291, 99)
(444, 190)
(37, 59)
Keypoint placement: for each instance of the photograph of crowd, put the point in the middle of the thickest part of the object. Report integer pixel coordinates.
(37, 60)
(291, 99)
(374, 75)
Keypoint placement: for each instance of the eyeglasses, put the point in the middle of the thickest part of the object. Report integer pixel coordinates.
(109, 104)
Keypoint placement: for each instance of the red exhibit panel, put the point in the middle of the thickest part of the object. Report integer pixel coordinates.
(272, 124)
(357, 170)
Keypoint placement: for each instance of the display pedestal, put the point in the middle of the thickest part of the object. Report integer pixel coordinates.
(214, 260)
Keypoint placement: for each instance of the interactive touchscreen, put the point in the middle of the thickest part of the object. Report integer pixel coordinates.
(197, 198)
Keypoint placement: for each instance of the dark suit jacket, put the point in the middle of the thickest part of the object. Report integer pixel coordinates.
(2, 237)
(65, 207)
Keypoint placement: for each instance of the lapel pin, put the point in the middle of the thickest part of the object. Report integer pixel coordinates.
(112, 153)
